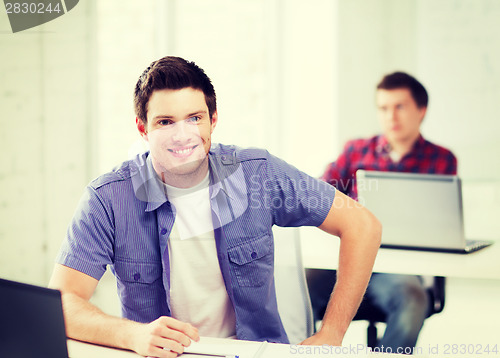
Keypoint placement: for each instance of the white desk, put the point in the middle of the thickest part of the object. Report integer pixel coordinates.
(77, 349)
(242, 349)
(320, 250)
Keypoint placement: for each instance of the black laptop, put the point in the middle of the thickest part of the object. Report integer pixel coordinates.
(31, 322)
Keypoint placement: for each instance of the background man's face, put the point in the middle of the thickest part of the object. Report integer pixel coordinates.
(178, 131)
(398, 114)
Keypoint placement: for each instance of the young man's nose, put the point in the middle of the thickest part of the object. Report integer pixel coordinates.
(181, 131)
(391, 115)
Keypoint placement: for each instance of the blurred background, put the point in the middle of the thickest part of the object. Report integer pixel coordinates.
(295, 77)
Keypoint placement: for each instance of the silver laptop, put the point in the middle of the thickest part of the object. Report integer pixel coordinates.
(31, 321)
(417, 211)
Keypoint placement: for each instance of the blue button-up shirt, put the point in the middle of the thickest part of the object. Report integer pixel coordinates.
(124, 220)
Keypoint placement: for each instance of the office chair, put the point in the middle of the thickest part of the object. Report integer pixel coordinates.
(294, 304)
(367, 311)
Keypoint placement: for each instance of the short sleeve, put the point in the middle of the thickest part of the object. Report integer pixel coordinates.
(452, 164)
(296, 198)
(88, 246)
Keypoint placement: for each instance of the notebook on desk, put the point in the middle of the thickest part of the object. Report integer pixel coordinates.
(417, 211)
(31, 321)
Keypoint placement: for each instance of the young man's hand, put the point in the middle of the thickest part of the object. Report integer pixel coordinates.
(320, 338)
(165, 337)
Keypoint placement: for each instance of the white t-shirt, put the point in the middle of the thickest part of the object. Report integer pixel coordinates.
(197, 291)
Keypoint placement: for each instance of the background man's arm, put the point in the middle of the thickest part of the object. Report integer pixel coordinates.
(360, 234)
(86, 322)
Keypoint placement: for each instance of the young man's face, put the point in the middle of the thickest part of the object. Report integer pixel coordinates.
(399, 115)
(179, 134)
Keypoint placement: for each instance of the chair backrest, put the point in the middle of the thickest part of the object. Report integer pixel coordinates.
(294, 304)
(435, 287)
(436, 290)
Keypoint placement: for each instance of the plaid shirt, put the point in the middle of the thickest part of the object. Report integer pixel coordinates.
(373, 154)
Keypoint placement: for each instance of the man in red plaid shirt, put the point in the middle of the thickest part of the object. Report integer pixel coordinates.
(402, 104)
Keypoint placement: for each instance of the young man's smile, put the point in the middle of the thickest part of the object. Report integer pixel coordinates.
(182, 152)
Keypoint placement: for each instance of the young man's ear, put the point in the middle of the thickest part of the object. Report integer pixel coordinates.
(423, 110)
(213, 121)
(141, 128)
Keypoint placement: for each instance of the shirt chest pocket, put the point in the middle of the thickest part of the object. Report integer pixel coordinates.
(252, 262)
(138, 283)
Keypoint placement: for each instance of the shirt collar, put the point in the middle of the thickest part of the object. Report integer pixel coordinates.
(228, 185)
(225, 174)
(419, 144)
(147, 185)
(383, 146)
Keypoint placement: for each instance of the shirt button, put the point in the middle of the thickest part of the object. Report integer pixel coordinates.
(137, 276)
(254, 255)
(163, 231)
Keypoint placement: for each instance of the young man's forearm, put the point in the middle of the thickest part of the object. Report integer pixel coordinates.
(160, 338)
(360, 234)
(353, 274)
(86, 322)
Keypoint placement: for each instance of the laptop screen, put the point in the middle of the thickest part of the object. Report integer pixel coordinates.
(416, 210)
(31, 321)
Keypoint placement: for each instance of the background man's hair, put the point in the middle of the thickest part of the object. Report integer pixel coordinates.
(171, 73)
(398, 80)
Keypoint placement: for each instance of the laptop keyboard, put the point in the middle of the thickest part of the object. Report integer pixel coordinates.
(474, 245)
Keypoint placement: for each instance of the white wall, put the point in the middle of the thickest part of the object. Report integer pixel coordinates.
(126, 45)
(459, 56)
(375, 38)
(46, 89)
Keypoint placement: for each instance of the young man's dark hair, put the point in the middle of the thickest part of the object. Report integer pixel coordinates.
(403, 80)
(172, 73)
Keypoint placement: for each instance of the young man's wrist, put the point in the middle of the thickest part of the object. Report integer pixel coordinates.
(332, 333)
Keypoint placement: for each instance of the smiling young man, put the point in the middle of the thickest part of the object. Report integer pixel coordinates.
(401, 103)
(187, 230)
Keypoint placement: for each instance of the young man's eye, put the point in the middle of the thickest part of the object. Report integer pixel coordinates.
(193, 119)
(164, 122)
